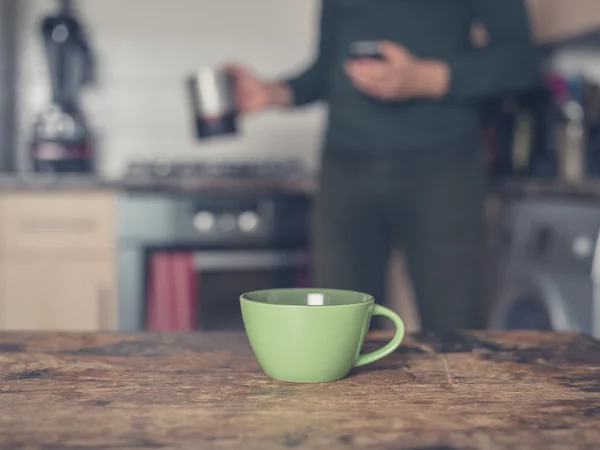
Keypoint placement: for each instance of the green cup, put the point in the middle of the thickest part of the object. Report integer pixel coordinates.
(312, 335)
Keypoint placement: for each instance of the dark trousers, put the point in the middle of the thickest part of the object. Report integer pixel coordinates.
(429, 203)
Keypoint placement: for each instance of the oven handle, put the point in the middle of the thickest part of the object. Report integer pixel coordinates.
(248, 260)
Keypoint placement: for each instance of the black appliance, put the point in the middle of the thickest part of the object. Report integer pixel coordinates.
(62, 140)
(237, 242)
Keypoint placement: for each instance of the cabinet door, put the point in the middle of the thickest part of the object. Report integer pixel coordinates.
(58, 221)
(45, 293)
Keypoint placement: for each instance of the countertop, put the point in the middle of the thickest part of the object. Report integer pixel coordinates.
(306, 185)
(589, 189)
(298, 185)
(491, 390)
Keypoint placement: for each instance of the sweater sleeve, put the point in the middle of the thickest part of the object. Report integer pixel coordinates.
(508, 63)
(310, 85)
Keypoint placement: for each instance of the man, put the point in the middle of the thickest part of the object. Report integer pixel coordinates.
(402, 164)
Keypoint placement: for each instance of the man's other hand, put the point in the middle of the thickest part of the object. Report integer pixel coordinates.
(400, 75)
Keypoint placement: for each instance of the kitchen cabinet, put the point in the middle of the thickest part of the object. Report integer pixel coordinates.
(57, 261)
(58, 221)
(43, 292)
(553, 21)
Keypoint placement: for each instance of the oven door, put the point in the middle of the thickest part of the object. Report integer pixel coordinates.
(223, 275)
(219, 278)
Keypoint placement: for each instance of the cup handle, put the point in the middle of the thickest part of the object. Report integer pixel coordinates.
(392, 345)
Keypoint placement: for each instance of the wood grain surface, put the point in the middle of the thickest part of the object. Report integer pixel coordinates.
(205, 391)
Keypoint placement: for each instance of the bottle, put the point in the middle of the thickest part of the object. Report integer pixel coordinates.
(571, 144)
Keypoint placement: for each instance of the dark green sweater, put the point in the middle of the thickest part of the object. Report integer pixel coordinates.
(437, 29)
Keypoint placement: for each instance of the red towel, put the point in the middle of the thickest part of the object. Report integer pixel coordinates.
(172, 292)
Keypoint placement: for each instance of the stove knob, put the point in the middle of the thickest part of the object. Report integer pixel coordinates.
(204, 221)
(227, 223)
(248, 221)
(583, 247)
(60, 34)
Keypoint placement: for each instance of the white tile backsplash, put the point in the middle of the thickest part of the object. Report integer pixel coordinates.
(144, 50)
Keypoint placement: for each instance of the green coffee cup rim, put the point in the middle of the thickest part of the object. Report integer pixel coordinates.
(368, 298)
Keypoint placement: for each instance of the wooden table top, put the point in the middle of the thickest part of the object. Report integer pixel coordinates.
(450, 391)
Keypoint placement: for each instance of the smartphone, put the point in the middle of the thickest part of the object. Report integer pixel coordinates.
(365, 50)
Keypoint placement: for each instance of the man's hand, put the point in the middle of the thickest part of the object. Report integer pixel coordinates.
(253, 94)
(399, 76)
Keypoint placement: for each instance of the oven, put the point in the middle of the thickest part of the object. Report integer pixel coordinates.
(185, 259)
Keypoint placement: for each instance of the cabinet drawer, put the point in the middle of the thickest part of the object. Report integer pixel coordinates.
(58, 220)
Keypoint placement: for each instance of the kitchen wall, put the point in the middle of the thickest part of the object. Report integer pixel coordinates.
(144, 50)
(7, 73)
